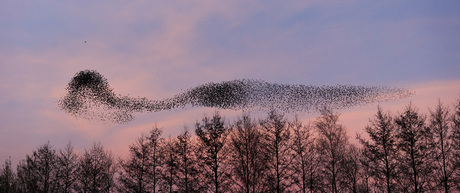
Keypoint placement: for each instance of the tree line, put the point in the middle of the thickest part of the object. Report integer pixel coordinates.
(403, 152)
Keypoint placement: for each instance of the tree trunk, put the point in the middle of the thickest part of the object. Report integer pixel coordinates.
(414, 168)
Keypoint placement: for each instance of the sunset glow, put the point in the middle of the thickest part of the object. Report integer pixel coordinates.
(158, 49)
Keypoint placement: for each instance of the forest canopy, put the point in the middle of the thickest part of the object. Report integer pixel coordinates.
(400, 152)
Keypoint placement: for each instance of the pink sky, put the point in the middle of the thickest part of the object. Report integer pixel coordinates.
(157, 49)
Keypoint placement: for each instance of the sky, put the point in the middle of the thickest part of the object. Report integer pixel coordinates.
(156, 49)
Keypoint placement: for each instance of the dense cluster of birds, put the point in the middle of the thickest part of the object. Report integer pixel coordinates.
(90, 96)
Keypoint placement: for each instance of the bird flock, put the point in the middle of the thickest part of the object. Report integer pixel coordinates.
(89, 96)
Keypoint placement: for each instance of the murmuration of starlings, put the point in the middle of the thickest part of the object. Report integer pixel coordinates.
(89, 96)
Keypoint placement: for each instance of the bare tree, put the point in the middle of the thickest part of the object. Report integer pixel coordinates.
(248, 159)
(96, 170)
(141, 171)
(7, 178)
(306, 159)
(157, 156)
(212, 137)
(352, 169)
(381, 150)
(170, 165)
(402, 154)
(332, 143)
(414, 140)
(278, 148)
(455, 137)
(67, 164)
(366, 172)
(440, 124)
(187, 173)
(37, 172)
(135, 171)
(26, 177)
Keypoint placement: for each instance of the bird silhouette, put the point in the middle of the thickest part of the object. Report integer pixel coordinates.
(90, 96)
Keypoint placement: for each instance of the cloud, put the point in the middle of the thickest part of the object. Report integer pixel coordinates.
(158, 48)
(426, 97)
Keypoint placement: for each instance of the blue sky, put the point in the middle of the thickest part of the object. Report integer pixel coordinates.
(158, 48)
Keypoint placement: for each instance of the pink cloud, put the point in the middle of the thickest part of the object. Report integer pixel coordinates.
(426, 97)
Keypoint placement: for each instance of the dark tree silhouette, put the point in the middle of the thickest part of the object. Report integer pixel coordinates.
(366, 173)
(7, 178)
(157, 157)
(96, 170)
(37, 173)
(135, 172)
(306, 159)
(67, 164)
(381, 150)
(352, 169)
(248, 159)
(213, 152)
(414, 140)
(402, 154)
(332, 141)
(456, 145)
(26, 179)
(187, 174)
(170, 165)
(278, 147)
(440, 124)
